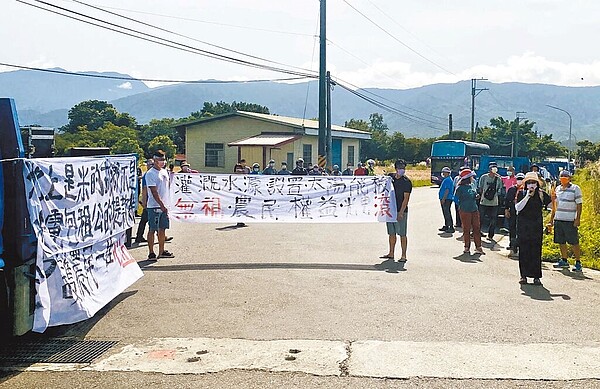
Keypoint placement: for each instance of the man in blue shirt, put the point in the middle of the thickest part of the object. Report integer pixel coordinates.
(446, 195)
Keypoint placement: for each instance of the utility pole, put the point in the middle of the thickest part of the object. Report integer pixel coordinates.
(450, 125)
(474, 92)
(517, 132)
(329, 150)
(322, 85)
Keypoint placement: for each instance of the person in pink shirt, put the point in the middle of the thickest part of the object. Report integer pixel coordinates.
(510, 179)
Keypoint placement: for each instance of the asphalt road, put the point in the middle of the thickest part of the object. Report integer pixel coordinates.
(325, 282)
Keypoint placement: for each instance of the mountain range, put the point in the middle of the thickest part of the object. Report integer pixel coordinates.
(45, 98)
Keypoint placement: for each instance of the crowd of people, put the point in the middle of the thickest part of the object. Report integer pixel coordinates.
(301, 169)
(523, 197)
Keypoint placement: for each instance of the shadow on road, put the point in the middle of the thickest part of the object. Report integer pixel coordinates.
(572, 274)
(389, 266)
(468, 258)
(538, 292)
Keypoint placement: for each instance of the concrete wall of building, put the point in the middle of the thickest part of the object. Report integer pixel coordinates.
(234, 128)
(225, 131)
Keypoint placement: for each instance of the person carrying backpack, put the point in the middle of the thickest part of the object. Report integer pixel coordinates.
(489, 188)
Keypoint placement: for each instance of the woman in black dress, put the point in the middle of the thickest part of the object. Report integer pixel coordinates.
(530, 224)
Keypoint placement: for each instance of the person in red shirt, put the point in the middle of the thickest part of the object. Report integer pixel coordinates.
(360, 170)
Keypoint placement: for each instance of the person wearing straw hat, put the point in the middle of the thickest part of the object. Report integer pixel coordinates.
(466, 195)
(530, 202)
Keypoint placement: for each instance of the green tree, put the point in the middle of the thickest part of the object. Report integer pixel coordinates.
(502, 133)
(587, 151)
(164, 143)
(221, 107)
(165, 126)
(127, 146)
(92, 114)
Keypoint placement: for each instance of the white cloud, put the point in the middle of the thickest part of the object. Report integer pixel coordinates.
(125, 85)
(527, 68)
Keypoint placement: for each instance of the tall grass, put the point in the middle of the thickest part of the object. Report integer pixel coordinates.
(588, 179)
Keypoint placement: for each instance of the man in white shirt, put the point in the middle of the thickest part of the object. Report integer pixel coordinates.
(567, 204)
(157, 182)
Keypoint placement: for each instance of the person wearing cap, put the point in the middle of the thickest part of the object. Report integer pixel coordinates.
(370, 167)
(299, 170)
(255, 169)
(270, 169)
(186, 168)
(360, 170)
(530, 203)
(336, 171)
(446, 196)
(402, 190)
(466, 195)
(567, 204)
(510, 213)
(315, 171)
(489, 187)
(349, 170)
(284, 170)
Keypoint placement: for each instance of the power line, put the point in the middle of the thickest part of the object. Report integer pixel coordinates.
(391, 109)
(180, 35)
(365, 91)
(387, 15)
(207, 22)
(161, 41)
(123, 78)
(398, 40)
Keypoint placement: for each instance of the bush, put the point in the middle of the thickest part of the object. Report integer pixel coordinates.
(588, 179)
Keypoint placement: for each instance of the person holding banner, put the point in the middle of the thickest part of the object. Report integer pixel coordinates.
(402, 189)
(299, 170)
(157, 182)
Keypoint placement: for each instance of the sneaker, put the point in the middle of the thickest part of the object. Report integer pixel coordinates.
(467, 251)
(166, 254)
(451, 230)
(479, 250)
(562, 263)
(578, 267)
(152, 257)
(443, 228)
(140, 240)
(536, 281)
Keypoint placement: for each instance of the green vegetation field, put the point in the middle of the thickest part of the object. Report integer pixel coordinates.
(588, 179)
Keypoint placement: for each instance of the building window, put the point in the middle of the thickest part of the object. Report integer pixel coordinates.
(290, 160)
(307, 155)
(351, 155)
(214, 155)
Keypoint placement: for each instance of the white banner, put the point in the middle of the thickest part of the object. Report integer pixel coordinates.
(221, 198)
(80, 209)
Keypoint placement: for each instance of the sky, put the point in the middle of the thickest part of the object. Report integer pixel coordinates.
(371, 43)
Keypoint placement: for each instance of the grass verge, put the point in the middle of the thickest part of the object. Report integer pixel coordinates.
(588, 179)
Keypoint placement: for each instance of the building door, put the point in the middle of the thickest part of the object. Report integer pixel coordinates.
(336, 152)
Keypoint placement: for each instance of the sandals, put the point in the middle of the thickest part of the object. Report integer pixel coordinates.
(386, 256)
